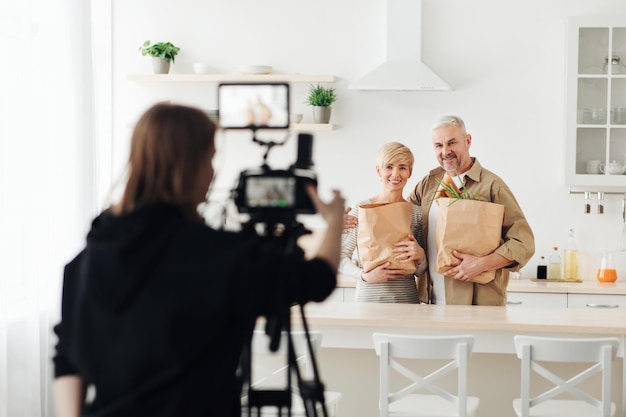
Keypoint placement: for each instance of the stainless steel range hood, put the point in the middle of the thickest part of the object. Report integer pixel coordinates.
(403, 70)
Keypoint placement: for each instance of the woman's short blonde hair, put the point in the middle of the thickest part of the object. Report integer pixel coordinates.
(393, 153)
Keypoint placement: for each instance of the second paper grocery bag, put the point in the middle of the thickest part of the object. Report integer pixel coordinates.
(469, 226)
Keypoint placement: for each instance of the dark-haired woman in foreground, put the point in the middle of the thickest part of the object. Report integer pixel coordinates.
(158, 305)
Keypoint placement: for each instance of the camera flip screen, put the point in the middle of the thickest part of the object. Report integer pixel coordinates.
(271, 192)
(246, 106)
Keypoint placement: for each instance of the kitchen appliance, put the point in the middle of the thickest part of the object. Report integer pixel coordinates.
(403, 69)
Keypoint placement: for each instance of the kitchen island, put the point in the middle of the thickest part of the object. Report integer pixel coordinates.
(348, 362)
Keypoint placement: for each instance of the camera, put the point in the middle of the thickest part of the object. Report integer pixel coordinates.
(273, 198)
(264, 191)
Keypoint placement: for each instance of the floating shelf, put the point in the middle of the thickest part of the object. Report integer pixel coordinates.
(213, 78)
(239, 78)
(296, 127)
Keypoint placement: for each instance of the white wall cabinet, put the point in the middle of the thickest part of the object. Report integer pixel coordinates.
(536, 300)
(596, 100)
(242, 78)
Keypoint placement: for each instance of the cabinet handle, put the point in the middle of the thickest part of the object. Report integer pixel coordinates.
(592, 305)
(516, 303)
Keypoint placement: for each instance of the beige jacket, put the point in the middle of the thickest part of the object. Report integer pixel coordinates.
(517, 244)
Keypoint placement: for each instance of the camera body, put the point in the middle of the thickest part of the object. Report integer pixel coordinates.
(265, 192)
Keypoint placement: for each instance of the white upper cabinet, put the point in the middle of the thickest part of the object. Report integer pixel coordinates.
(596, 102)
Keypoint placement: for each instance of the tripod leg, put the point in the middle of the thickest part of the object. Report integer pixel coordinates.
(311, 391)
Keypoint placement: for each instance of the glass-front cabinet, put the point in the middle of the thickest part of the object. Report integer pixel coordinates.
(596, 102)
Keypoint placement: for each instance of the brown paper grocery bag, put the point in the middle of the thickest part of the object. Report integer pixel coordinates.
(380, 227)
(469, 226)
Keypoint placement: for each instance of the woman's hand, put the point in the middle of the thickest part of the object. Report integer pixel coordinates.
(409, 250)
(382, 273)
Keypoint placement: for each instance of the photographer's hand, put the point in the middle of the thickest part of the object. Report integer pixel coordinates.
(333, 213)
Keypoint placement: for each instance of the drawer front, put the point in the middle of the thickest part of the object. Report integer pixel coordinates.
(596, 301)
(533, 300)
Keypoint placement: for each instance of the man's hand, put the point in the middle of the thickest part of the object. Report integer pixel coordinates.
(349, 222)
(468, 268)
(471, 265)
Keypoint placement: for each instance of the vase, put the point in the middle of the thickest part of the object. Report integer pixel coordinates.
(321, 114)
(160, 65)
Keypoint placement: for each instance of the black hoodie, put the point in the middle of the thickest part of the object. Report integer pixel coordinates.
(157, 307)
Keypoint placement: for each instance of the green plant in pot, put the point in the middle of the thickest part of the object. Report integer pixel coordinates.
(321, 98)
(162, 54)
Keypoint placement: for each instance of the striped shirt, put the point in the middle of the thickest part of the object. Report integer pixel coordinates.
(401, 290)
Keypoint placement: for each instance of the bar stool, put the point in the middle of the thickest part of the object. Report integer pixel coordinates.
(599, 352)
(439, 402)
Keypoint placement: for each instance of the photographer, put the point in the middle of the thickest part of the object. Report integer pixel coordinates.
(157, 307)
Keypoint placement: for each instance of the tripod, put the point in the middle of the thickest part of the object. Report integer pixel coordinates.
(279, 325)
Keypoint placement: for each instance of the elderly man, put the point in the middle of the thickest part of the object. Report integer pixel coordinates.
(451, 144)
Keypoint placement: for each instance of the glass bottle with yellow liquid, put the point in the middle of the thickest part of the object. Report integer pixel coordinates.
(570, 261)
(554, 265)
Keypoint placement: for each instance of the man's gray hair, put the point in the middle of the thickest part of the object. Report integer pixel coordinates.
(448, 121)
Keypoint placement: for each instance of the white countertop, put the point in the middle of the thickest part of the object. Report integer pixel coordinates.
(527, 285)
(468, 318)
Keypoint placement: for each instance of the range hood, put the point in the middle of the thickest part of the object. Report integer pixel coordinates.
(403, 70)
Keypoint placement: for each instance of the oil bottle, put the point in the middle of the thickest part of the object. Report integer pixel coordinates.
(554, 266)
(570, 264)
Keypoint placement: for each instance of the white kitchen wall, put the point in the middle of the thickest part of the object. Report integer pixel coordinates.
(505, 61)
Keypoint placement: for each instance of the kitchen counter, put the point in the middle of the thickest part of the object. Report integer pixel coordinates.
(585, 287)
(443, 318)
(527, 285)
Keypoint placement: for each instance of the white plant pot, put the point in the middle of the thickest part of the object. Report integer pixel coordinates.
(160, 66)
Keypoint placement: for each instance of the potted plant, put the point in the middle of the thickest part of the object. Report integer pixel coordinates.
(321, 98)
(162, 53)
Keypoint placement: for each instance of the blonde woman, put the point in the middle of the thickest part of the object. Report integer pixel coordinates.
(394, 166)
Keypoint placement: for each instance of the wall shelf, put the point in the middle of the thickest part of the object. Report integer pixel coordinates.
(318, 127)
(296, 127)
(237, 78)
(242, 78)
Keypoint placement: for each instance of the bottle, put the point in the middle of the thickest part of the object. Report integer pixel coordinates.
(570, 263)
(542, 269)
(607, 271)
(554, 268)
